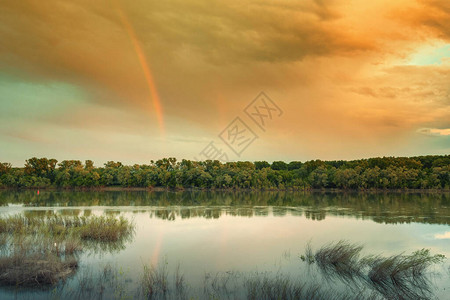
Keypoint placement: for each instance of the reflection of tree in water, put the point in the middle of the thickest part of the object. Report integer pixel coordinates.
(240, 212)
(70, 212)
(212, 213)
(315, 215)
(392, 207)
(37, 213)
(261, 211)
(279, 211)
(112, 212)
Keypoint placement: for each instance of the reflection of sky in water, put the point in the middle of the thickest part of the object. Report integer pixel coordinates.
(445, 235)
(247, 244)
(241, 243)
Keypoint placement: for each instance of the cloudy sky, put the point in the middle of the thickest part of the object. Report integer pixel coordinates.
(144, 79)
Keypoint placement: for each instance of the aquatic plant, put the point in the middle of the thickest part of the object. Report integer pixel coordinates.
(107, 229)
(98, 228)
(395, 277)
(402, 276)
(31, 262)
(309, 255)
(341, 258)
(41, 250)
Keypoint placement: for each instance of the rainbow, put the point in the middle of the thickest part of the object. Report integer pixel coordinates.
(145, 66)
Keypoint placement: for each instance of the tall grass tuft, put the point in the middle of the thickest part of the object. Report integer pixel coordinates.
(403, 276)
(98, 228)
(35, 269)
(155, 282)
(43, 249)
(395, 277)
(341, 258)
(309, 255)
(106, 229)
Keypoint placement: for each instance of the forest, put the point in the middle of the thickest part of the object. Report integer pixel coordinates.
(420, 172)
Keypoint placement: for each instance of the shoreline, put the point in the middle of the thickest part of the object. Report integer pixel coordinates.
(196, 189)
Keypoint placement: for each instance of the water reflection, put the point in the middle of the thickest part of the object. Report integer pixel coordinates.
(431, 208)
(443, 236)
(211, 232)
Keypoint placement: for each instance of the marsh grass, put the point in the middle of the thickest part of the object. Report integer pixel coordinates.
(39, 250)
(340, 258)
(309, 255)
(106, 229)
(401, 266)
(38, 268)
(35, 270)
(395, 277)
(98, 228)
(181, 287)
(267, 286)
(107, 282)
(403, 275)
(223, 285)
(156, 283)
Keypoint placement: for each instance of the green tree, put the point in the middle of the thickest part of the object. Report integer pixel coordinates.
(279, 165)
(261, 165)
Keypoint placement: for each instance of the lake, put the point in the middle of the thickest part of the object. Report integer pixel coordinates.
(226, 244)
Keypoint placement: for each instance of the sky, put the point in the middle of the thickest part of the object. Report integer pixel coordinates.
(136, 81)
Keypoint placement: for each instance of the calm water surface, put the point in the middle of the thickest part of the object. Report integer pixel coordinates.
(208, 233)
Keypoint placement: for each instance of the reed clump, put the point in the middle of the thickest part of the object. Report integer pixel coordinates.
(155, 282)
(39, 250)
(37, 266)
(98, 228)
(399, 267)
(107, 229)
(395, 277)
(37, 270)
(341, 256)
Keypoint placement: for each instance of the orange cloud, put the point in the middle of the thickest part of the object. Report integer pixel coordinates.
(337, 68)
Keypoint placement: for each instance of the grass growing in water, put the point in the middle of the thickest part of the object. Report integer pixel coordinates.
(281, 286)
(99, 228)
(341, 258)
(37, 269)
(156, 284)
(160, 283)
(309, 255)
(41, 250)
(403, 275)
(398, 267)
(155, 281)
(395, 277)
(108, 229)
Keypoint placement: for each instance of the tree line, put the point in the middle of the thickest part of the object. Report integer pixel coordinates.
(420, 172)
